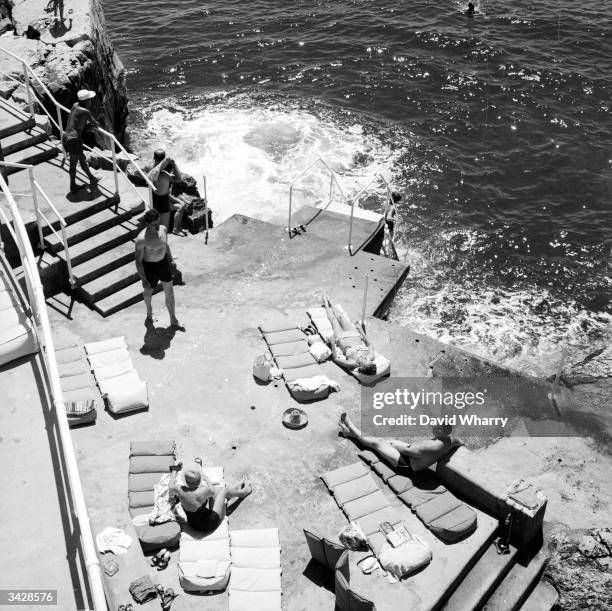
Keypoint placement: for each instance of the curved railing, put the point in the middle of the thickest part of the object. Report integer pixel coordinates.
(29, 73)
(36, 299)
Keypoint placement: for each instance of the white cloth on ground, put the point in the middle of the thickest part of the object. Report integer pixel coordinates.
(113, 540)
(313, 384)
(162, 510)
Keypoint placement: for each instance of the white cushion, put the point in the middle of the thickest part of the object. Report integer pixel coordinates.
(258, 537)
(111, 357)
(125, 393)
(120, 368)
(262, 557)
(106, 345)
(255, 579)
(254, 601)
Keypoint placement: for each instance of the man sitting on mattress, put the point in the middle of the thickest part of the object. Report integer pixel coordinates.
(197, 494)
(415, 456)
(350, 346)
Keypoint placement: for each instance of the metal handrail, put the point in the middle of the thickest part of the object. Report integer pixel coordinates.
(59, 107)
(37, 300)
(333, 179)
(35, 186)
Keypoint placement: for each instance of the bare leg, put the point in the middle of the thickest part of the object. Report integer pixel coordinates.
(178, 220)
(169, 293)
(225, 493)
(92, 179)
(148, 294)
(384, 449)
(164, 218)
(72, 171)
(240, 491)
(337, 329)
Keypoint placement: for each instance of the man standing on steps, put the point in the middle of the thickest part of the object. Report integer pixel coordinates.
(80, 116)
(164, 173)
(154, 264)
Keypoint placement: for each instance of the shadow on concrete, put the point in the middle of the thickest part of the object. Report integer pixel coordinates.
(70, 524)
(65, 309)
(319, 575)
(58, 28)
(157, 340)
(84, 193)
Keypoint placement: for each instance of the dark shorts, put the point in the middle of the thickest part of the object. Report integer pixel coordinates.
(157, 271)
(161, 203)
(203, 519)
(73, 145)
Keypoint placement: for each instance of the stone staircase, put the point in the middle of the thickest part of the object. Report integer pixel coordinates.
(101, 225)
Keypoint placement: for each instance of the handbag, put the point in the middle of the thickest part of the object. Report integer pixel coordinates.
(262, 366)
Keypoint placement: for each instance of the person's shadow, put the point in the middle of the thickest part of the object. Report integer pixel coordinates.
(157, 340)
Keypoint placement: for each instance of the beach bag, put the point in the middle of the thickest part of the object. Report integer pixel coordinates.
(262, 366)
(405, 559)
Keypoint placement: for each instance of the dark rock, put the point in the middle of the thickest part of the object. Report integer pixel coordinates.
(32, 33)
(495, 300)
(187, 186)
(134, 175)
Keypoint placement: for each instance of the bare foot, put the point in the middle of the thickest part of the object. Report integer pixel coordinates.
(347, 428)
(175, 324)
(244, 490)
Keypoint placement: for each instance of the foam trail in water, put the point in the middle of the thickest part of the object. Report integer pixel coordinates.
(250, 156)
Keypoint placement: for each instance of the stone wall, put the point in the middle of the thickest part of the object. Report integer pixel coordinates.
(67, 55)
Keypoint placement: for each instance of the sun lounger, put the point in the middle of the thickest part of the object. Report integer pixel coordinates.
(117, 379)
(362, 501)
(204, 559)
(78, 385)
(17, 335)
(289, 347)
(149, 460)
(319, 319)
(255, 582)
(439, 509)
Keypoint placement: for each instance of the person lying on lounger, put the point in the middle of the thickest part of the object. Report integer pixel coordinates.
(350, 347)
(415, 456)
(197, 494)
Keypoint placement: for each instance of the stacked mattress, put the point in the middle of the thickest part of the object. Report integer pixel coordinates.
(324, 327)
(255, 582)
(116, 376)
(78, 386)
(439, 509)
(17, 333)
(149, 460)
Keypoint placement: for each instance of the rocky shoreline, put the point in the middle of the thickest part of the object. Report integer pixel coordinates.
(67, 55)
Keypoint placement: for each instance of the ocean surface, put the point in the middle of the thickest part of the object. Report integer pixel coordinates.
(495, 127)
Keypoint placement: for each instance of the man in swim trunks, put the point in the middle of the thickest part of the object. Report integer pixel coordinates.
(204, 504)
(391, 212)
(164, 173)
(80, 116)
(350, 346)
(415, 456)
(154, 264)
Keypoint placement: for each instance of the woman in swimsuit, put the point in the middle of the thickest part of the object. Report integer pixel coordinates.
(350, 346)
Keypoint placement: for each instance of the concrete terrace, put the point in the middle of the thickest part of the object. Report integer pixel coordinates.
(202, 394)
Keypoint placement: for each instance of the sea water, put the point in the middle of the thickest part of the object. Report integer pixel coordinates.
(495, 127)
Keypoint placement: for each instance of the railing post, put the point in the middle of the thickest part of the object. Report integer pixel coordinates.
(331, 186)
(350, 243)
(59, 122)
(26, 80)
(115, 174)
(205, 210)
(150, 196)
(68, 262)
(290, 205)
(365, 299)
(36, 210)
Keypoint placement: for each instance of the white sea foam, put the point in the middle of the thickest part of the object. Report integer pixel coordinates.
(251, 155)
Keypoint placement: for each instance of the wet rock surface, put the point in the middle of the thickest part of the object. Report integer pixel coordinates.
(580, 568)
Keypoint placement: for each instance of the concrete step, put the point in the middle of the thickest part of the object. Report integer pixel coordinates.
(481, 581)
(104, 263)
(12, 122)
(23, 140)
(122, 299)
(101, 242)
(543, 598)
(109, 283)
(518, 584)
(32, 155)
(94, 224)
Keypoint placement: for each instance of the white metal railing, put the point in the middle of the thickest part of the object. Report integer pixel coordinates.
(27, 73)
(391, 246)
(333, 180)
(37, 301)
(35, 187)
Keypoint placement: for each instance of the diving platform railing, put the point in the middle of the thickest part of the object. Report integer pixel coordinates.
(36, 299)
(57, 123)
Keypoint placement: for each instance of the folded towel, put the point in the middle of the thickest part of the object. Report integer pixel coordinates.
(313, 383)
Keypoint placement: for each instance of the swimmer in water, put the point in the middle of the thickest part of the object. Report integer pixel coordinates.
(470, 9)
